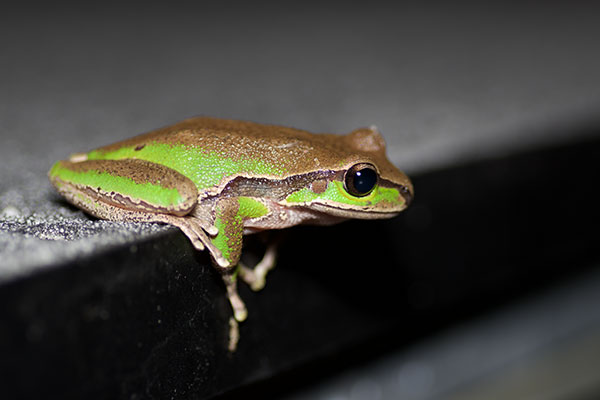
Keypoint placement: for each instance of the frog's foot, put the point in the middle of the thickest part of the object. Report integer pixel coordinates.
(256, 278)
(197, 231)
(237, 304)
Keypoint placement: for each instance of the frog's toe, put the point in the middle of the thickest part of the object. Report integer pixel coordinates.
(258, 284)
(240, 313)
(234, 334)
(212, 230)
(198, 245)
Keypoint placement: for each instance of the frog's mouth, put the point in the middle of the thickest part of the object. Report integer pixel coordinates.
(358, 212)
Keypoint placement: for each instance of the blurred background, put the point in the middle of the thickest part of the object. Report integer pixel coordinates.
(456, 88)
(442, 81)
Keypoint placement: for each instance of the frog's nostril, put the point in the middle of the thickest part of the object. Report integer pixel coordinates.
(405, 192)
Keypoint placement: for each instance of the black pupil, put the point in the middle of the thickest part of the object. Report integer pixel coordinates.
(365, 180)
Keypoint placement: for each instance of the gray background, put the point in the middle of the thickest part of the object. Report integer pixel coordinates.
(444, 83)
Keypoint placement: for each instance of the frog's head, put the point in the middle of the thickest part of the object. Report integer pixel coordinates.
(359, 182)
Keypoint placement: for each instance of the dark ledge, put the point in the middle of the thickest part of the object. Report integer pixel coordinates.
(151, 321)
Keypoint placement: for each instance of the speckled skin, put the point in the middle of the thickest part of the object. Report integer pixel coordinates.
(287, 151)
(233, 178)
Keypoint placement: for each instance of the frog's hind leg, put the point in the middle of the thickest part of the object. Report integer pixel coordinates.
(142, 191)
(125, 196)
(198, 232)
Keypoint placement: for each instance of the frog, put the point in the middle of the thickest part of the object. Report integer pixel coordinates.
(218, 180)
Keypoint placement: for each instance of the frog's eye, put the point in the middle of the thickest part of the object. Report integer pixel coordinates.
(360, 179)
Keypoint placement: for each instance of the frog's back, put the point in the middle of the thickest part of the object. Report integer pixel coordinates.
(207, 150)
(236, 138)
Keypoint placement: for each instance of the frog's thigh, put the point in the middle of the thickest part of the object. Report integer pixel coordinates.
(130, 184)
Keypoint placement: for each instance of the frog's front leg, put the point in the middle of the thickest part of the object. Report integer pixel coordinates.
(230, 214)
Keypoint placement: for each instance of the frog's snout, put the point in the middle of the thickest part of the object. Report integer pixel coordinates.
(406, 194)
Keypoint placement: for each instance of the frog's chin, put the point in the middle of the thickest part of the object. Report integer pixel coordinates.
(355, 212)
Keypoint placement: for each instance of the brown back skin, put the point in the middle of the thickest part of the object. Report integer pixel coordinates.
(292, 150)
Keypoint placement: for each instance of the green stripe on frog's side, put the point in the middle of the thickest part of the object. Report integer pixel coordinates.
(153, 194)
(251, 208)
(230, 216)
(335, 192)
(205, 168)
